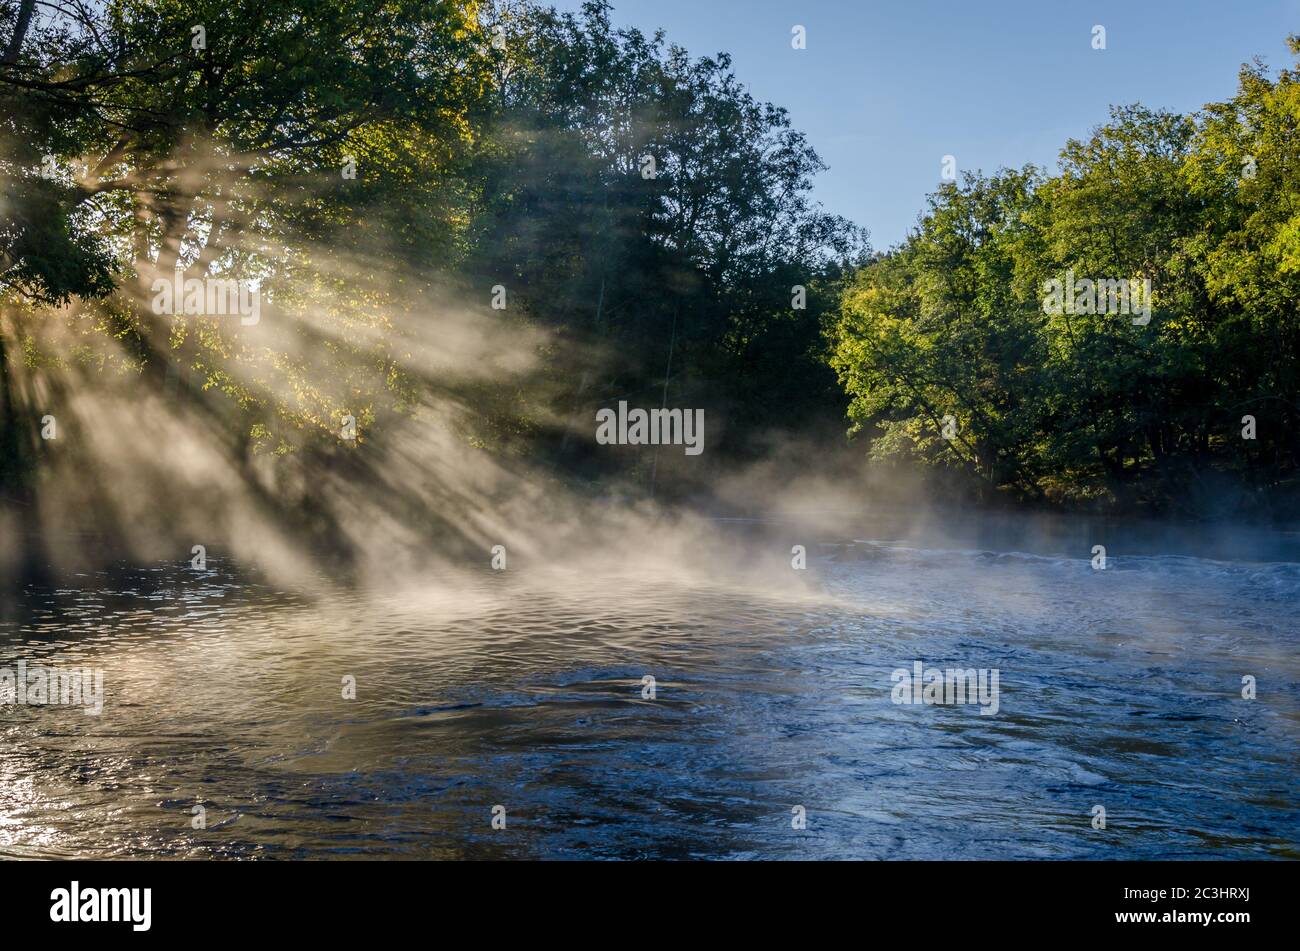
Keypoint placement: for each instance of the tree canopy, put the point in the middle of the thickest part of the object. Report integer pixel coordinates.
(385, 173)
(1085, 402)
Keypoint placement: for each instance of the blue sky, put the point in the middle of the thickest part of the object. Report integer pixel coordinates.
(886, 88)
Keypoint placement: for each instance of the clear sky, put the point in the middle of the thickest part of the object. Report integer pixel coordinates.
(886, 88)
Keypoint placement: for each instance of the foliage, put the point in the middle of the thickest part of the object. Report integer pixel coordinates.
(1093, 405)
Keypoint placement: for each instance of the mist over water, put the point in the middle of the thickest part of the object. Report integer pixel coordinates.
(468, 258)
(524, 688)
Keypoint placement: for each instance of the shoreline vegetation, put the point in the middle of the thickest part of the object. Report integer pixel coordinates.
(470, 229)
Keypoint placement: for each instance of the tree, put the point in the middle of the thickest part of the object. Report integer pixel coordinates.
(1083, 402)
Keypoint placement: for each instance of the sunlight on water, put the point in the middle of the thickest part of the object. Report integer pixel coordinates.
(1120, 688)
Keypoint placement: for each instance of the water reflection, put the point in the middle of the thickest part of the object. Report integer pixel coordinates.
(1120, 688)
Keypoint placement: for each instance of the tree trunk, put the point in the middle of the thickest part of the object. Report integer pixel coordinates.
(21, 25)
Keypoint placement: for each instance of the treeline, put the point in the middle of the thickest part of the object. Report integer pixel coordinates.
(960, 353)
(362, 159)
(382, 168)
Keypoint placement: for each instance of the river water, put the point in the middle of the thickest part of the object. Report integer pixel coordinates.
(1119, 688)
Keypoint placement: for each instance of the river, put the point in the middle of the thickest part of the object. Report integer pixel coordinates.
(770, 731)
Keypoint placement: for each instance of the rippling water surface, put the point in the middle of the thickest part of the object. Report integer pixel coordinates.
(1119, 688)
